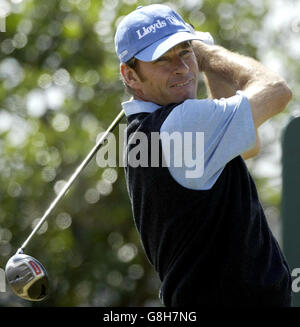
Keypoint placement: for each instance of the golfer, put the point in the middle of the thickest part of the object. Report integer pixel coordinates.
(203, 230)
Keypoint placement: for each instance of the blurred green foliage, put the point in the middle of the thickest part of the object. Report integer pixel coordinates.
(59, 88)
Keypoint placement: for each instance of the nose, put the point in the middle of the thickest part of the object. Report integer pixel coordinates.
(180, 66)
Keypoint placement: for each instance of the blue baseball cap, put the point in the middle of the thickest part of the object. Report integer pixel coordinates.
(148, 32)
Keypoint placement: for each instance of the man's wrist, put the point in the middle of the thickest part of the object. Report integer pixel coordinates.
(202, 52)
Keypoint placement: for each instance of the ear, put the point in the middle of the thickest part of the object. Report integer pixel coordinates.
(130, 76)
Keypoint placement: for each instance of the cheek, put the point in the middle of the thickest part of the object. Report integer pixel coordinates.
(194, 66)
(158, 82)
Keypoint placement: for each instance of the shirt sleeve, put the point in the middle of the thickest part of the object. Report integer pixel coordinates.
(213, 133)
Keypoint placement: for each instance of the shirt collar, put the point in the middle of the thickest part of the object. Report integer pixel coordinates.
(132, 107)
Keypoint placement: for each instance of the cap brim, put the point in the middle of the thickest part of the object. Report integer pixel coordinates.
(158, 48)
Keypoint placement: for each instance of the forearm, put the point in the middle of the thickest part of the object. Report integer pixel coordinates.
(217, 81)
(266, 91)
(217, 88)
(230, 68)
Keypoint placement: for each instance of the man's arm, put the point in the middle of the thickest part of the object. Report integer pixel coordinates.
(267, 92)
(219, 88)
(226, 72)
(216, 87)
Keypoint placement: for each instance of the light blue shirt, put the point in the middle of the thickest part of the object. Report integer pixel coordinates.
(227, 128)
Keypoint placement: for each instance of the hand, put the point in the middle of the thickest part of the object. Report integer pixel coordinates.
(202, 47)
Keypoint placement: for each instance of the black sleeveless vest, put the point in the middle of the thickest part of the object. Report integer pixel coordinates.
(209, 247)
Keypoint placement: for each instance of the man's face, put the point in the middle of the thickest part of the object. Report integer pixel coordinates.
(172, 78)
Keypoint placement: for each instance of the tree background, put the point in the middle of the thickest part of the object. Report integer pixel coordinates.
(60, 88)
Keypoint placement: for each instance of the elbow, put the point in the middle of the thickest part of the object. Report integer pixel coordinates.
(284, 95)
(287, 93)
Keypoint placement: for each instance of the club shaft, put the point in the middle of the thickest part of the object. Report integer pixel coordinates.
(72, 178)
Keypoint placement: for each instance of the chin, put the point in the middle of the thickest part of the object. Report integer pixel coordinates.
(189, 94)
(177, 98)
(186, 97)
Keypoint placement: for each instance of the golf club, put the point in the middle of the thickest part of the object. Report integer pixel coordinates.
(26, 275)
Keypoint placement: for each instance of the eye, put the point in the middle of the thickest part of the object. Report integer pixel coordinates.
(185, 52)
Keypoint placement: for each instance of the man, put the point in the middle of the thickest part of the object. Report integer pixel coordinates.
(205, 234)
